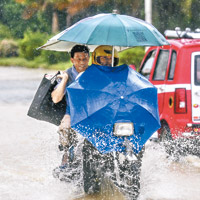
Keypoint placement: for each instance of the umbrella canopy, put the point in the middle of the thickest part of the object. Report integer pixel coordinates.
(102, 96)
(112, 29)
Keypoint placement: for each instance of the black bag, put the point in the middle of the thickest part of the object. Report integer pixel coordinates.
(42, 106)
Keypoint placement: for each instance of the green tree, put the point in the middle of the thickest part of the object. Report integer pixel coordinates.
(69, 7)
(129, 7)
(10, 16)
(171, 14)
(195, 14)
(38, 9)
(168, 14)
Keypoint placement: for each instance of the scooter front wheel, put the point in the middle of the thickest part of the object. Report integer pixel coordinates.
(126, 176)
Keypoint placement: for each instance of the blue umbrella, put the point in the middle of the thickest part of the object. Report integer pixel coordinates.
(107, 29)
(102, 96)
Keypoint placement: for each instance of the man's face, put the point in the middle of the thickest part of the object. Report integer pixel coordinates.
(106, 60)
(80, 61)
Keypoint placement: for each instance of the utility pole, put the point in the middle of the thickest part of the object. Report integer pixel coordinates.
(148, 11)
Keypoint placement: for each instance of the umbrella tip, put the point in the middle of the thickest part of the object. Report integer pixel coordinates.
(115, 12)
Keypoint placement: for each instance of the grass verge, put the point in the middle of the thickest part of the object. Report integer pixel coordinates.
(22, 62)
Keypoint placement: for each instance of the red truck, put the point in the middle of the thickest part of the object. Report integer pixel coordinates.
(175, 71)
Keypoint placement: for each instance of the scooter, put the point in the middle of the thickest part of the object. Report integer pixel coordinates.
(88, 168)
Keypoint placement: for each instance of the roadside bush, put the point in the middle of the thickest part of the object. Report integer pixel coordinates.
(29, 44)
(132, 56)
(54, 57)
(8, 48)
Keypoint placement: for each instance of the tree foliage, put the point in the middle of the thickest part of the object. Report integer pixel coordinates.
(33, 22)
(30, 43)
(171, 14)
(43, 15)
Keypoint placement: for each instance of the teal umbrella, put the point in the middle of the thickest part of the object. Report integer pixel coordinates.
(112, 29)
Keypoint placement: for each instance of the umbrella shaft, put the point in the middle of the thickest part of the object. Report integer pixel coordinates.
(113, 53)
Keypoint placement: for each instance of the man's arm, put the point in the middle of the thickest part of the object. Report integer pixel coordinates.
(58, 94)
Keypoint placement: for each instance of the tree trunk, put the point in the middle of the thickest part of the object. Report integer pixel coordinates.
(55, 28)
(68, 20)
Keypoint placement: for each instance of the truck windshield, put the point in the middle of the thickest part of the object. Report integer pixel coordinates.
(197, 70)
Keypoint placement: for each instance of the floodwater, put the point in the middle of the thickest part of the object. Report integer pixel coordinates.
(29, 153)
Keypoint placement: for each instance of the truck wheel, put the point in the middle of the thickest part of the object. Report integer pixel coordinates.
(91, 176)
(165, 135)
(172, 147)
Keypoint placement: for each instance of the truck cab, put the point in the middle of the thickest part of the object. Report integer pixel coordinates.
(175, 71)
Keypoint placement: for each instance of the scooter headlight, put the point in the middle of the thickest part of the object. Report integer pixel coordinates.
(123, 129)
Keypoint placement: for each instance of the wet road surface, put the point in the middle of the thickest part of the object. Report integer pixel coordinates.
(29, 153)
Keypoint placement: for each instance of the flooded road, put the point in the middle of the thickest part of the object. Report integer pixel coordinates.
(29, 153)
